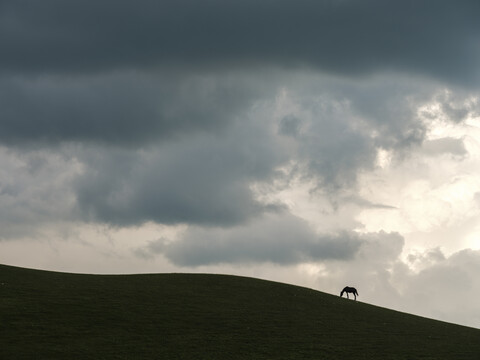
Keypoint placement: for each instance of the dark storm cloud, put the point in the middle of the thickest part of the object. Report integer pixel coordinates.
(206, 177)
(140, 86)
(230, 132)
(437, 38)
(97, 70)
(127, 108)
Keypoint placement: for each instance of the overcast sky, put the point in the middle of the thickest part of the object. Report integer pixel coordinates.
(318, 143)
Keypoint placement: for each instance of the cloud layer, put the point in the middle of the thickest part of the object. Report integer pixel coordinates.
(431, 37)
(122, 108)
(282, 240)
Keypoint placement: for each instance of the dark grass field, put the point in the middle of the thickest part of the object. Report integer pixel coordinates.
(48, 315)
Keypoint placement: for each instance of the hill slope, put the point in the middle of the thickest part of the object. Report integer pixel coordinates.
(48, 315)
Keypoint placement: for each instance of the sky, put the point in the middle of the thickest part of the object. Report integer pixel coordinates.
(318, 143)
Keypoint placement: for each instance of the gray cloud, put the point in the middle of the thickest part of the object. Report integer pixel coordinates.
(280, 239)
(339, 124)
(35, 189)
(458, 106)
(196, 162)
(435, 38)
(436, 289)
(205, 179)
(199, 168)
(446, 145)
(427, 258)
(442, 287)
(289, 125)
(202, 179)
(364, 203)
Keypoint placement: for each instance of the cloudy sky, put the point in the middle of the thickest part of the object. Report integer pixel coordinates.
(320, 143)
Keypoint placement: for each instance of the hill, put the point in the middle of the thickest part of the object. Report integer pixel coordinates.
(49, 315)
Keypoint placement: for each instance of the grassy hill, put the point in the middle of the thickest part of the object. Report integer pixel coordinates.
(48, 315)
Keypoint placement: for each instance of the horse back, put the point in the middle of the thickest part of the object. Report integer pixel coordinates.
(349, 289)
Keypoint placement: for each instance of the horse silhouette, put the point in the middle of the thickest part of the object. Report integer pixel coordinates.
(351, 290)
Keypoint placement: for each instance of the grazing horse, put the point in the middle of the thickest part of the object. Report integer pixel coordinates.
(351, 290)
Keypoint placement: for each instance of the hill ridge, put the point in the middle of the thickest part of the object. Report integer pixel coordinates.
(207, 316)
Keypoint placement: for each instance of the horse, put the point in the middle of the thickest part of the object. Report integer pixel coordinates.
(351, 290)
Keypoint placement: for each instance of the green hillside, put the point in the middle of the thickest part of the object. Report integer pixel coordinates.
(48, 315)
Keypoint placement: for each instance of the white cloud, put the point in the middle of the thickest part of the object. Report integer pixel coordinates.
(433, 188)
